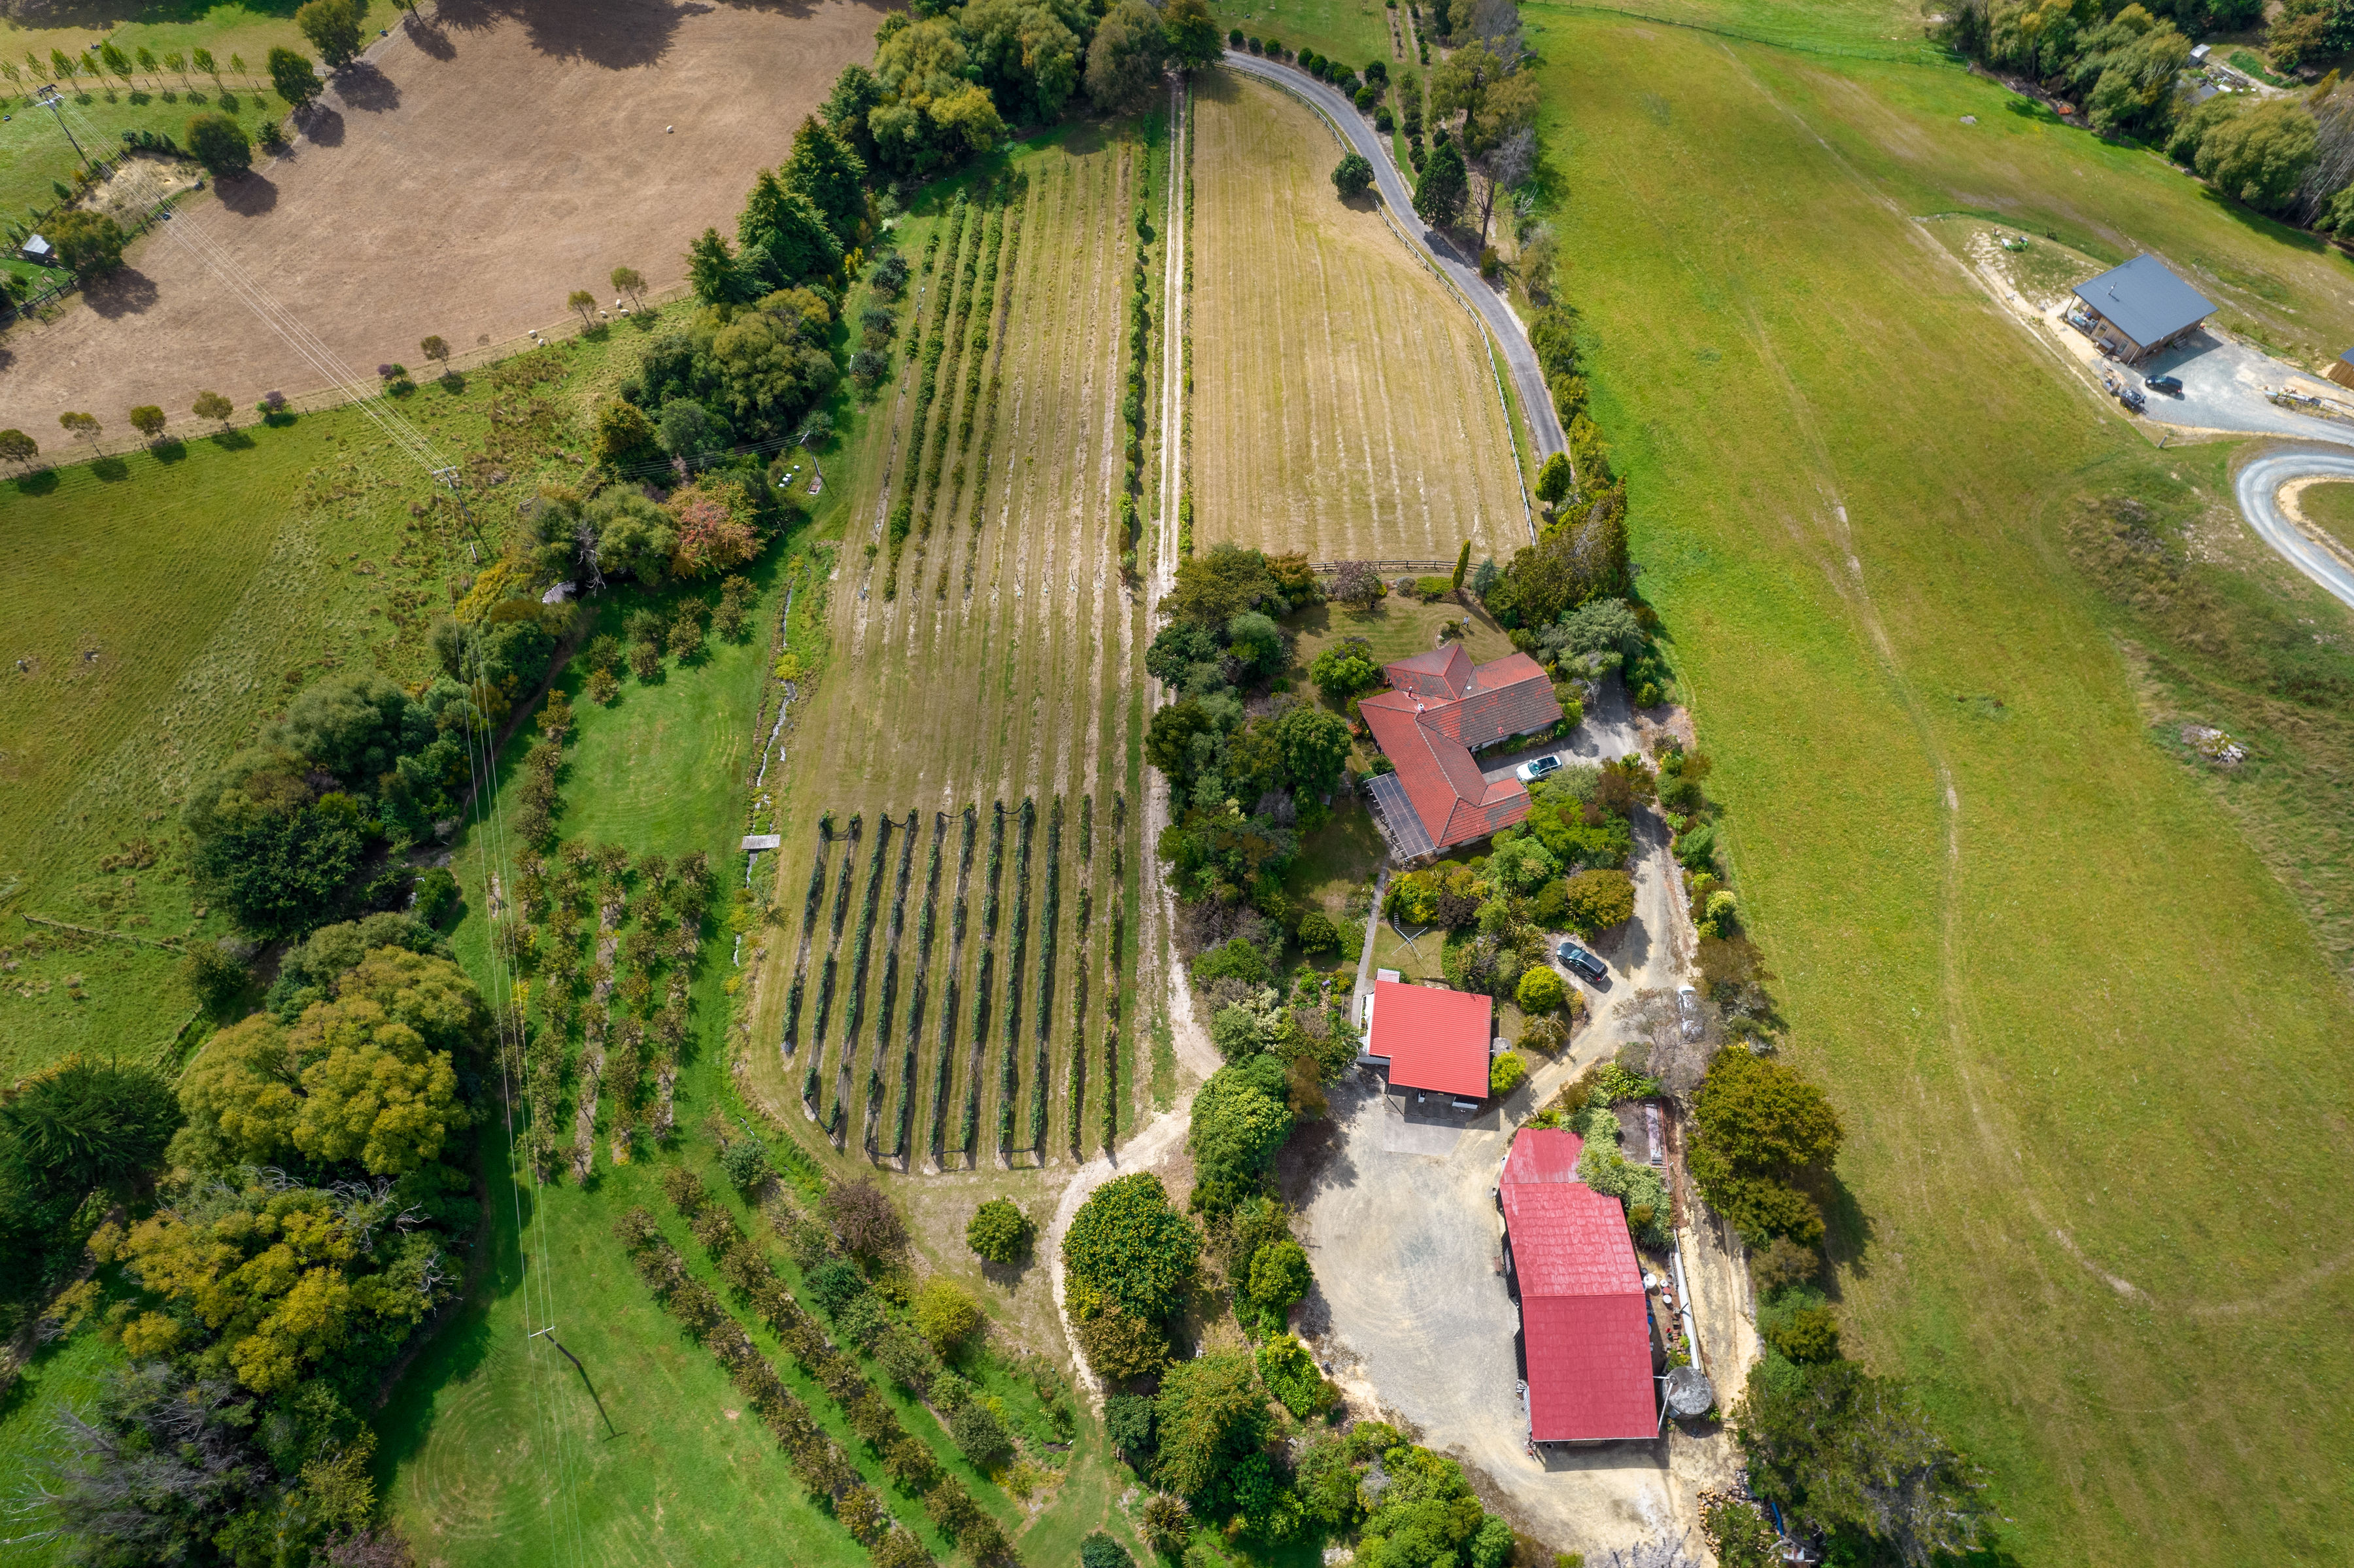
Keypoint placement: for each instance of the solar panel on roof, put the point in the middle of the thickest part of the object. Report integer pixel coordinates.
(1397, 810)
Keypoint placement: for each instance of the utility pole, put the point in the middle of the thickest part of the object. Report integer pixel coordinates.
(53, 98)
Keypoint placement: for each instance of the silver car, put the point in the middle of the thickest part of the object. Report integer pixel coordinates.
(1529, 772)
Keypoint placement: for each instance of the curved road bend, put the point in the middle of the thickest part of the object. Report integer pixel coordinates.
(2257, 488)
(1505, 327)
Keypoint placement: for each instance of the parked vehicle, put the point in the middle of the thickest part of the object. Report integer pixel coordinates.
(1687, 1012)
(2169, 384)
(1578, 959)
(1529, 772)
(2132, 398)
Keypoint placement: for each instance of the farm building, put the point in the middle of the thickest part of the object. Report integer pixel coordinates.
(38, 249)
(1429, 1039)
(1440, 709)
(2140, 308)
(2342, 369)
(1586, 1324)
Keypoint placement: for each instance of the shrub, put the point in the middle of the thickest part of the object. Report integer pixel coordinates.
(1232, 959)
(863, 1219)
(437, 893)
(1292, 1375)
(1783, 1265)
(1101, 1551)
(213, 978)
(1351, 176)
(836, 1282)
(1127, 1417)
(999, 1232)
(1120, 1345)
(980, 1432)
(1279, 1276)
(945, 1315)
(1318, 934)
(1599, 900)
(1506, 1073)
(746, 1163)
(1808, 1334)
(1430, 590)
(1541, 991)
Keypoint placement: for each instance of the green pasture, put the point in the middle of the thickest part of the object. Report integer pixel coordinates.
(2330, 508)
(1353, 32)
(166, 603)
(2095, 1194)
(33, 152)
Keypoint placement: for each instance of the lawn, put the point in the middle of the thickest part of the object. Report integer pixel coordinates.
(32, 150)
(2078, 1215)
(1343, 402)
(166, 603)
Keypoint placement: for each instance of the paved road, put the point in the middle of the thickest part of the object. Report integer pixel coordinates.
(2258, 487)
(1503, 324)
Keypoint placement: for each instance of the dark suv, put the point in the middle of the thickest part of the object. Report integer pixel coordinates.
(2167, 384)
(1574, 957)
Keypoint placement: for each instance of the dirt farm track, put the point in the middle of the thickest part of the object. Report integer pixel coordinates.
(473, 169)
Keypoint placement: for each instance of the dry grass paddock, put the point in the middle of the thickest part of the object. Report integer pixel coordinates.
(1343, 402)
(459, 181)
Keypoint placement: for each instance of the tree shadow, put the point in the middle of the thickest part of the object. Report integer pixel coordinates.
(112, 470)
(248, 195)
(617, 35)
(321, 126)
(2271, 228)
(1848, 1231)
(363, 87)
(43, 482)
(232, 440)
(170, 450)
(125, 291)
(429, 36)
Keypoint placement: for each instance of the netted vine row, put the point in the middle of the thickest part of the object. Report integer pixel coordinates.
(890, 981)
(816, 1459)
(1113, 946)
(811, 904)
(853, 1009)
(981, 986)
(916, 993)
(1008, 1071)
(828, 971)
(1075, 1092)
(948, 1000)
(1050, 914)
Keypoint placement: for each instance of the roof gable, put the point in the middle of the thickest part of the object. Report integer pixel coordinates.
(1585, 1319)
(2144, 299)
(1434, 1039)
(1428, 736)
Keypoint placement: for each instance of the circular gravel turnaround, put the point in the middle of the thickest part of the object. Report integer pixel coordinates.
(2258, 487)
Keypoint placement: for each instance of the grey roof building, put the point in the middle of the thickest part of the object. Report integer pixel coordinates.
(2141, 307)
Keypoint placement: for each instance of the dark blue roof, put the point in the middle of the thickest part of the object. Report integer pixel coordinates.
(2145, 300)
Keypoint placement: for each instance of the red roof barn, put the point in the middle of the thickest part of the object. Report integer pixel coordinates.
(1585, 1321)
(1440, 708)
(1433, 1039)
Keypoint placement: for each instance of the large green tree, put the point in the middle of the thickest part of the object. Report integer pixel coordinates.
(1239, 1124)
(292, 75)
(1127, 1244)
(932, 112)
(1854, 1456)
(1194, 38)
(85, 1125)
(1124, 60)
(785, 235)
(1028, 53)
(1445, 186)
(1756, 1125)
(826, 168)
(2259, 156)
(269, 847)
(1211, 1418)
(333, 28)
(221, 145)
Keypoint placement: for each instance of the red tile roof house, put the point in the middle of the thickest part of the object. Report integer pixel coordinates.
(1433, 1040)
(1585, 1325)
(1441, 708)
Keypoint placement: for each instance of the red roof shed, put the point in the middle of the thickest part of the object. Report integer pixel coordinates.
(1434, 1039)
(1584, 1322)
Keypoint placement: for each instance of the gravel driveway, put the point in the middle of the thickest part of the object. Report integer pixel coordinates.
(1503, 326)
(2224, 387)
(1413, 1315)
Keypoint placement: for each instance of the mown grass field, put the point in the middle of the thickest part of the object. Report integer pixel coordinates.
(164, 605)
(2086, 1042)
(33, 152)
(1344, 403)
(1356, 31)
(996, 665)
(2330, 508)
